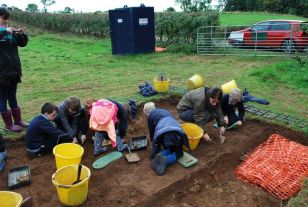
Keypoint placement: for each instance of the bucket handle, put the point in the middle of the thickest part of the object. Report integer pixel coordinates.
(59, 185)
(63, 186)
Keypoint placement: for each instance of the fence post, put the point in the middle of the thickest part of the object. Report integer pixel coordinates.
(256, 41)
(225, 40)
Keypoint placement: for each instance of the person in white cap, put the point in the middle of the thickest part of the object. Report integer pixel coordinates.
(230, 103)
(165, 132)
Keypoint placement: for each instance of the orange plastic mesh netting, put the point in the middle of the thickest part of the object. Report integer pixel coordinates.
(277, 165)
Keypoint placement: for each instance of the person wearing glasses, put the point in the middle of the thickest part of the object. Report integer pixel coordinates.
(71, 118)
(10, 71)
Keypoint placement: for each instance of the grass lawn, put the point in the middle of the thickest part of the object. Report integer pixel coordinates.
(56, 66)
(248, 18)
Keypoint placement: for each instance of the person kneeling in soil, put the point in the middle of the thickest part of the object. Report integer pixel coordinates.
(231, 102)
(109, 119)
(3, 153)
(71, 118)
(165, 132)
(201, 106)
(42, 134)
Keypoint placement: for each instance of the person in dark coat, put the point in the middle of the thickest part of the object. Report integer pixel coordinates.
(71, 118)
(165, 132)
(10, 71)
(201, 106)
(42, 134)
(3, 153)
(230, 103)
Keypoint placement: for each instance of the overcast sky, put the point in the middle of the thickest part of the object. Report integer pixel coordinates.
(94, 5)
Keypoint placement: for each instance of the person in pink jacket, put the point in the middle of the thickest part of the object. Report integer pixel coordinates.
(109, 119)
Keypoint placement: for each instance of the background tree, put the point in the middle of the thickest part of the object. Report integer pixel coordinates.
(68, 10)
(298, 7)
(3, 5)
(47, 3)
(170, 9)
(194, 5)
(32, 8)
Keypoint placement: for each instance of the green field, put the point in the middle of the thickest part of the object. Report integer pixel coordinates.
(56, 66)
(248, 18)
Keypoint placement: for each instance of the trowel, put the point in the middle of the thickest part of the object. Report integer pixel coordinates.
(222, 138)
(132, 157)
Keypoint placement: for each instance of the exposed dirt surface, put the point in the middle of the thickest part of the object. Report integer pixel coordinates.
(210, 183)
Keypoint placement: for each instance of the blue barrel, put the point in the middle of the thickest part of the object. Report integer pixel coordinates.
(132, 30)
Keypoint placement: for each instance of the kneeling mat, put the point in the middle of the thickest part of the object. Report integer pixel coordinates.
(106, 160)
(187, 160)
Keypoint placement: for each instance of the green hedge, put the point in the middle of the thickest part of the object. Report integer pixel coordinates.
(171, 27)
(83, 23)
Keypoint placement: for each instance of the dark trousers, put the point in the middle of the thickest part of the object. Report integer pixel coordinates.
(8, 95)
(188, 116)
(51, 142)
(233, 118)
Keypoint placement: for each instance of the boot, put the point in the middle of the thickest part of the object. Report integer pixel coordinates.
(7, 119)
(17, 118)
(162, 165)
(120, 146)
(98, 148)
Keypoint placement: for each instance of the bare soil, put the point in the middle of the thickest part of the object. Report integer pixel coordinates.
(210, 183)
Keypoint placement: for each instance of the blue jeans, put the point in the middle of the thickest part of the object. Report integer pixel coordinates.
(3, 156)
(8, 94)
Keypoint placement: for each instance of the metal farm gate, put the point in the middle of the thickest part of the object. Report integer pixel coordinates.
(270, 38)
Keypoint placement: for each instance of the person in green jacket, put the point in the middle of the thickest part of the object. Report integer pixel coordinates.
(201, 106)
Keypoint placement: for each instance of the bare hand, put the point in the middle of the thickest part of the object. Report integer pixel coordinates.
(10, 30)
(226, 119)
(240, 123)
(20, 30)
(222, 130)
(207, 138)
(75, 140)
(83, 138)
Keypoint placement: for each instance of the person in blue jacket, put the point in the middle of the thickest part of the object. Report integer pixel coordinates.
(165, 132)
(42, 134)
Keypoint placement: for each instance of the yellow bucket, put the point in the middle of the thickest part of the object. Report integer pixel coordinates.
(71, 195)
(161, 86)
(10, 199)
(228, 87)
(194, 134)
(196, 81)
(67, 154)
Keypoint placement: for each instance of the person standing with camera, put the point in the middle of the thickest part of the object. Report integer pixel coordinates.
(10, 71)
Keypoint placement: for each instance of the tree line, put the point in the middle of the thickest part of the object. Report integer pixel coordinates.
(296, 7)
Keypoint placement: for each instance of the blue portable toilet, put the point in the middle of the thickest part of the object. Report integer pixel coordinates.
(132, 30)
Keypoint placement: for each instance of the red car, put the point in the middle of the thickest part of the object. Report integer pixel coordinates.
(288, 35)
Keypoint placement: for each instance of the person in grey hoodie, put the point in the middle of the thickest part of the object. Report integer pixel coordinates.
(71, 118)
(201, 106)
